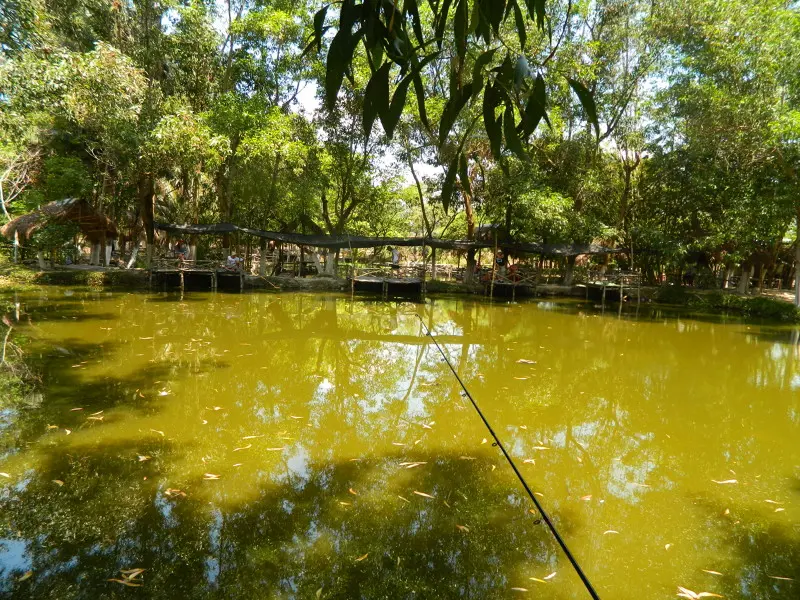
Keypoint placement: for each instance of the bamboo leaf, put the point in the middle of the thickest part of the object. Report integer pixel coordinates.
(587, 101)
(463, 174)
(441, 22)
(376, 97)
(460, 26)
(480, 63)
(520, 23)
(452, 109)
(319, 22)
(449, 183)
(490, 123)
(510, 132)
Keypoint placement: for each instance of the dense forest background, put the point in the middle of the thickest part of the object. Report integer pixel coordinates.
(670, 128)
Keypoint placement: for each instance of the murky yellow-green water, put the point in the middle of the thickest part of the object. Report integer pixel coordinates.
(303, 446)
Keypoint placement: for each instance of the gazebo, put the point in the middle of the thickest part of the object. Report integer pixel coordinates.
(98, 229)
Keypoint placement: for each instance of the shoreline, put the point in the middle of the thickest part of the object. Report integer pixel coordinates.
(694, 301)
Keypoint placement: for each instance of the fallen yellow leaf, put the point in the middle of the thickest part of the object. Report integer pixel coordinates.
(422, 494)
(210, 476)
(58, 482)
(27, 575)
(360, 558)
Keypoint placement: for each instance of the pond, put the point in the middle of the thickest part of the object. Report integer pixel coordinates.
(313, 446)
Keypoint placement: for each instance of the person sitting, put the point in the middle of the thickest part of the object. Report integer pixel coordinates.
(181, 252)
(500, 263)
(234, 262)
(395, 258)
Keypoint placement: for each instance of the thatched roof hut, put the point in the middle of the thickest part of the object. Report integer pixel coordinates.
(93, 225)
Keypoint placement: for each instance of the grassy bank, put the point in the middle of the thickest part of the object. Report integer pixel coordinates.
(21, 278)
(717, 301)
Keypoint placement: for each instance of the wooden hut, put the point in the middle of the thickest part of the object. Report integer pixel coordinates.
(98, 229)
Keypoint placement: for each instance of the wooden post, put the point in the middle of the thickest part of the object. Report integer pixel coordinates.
(494, 267)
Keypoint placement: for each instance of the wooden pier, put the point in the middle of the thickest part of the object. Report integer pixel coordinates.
(405, 282)
(611, 287)
(195, 276)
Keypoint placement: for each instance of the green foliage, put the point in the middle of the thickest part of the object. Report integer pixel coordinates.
(757, 307)
(54, 234)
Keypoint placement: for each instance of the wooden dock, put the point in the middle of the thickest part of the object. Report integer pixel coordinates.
(195, 276)
(389, 283)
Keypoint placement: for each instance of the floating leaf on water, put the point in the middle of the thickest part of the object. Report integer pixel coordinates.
(360, 558)
(521, 379)
(712, 572)
(727, 511)
(252, 437)
(423, 494)
(319, 593)
(131, 573)
(99, 412)
(537, 580)
(163, 393)
(210, 476)
(126, 582)
(146, 338)
(530, 461)
(549, 577)
(352, 491)
(467, 458)
(344, 503)
(294, 417)
(779, 577)
(686, 593)
(525, 361)
(484, 440)
(772, 502)
(586, 498)
(100, 418)
(519, 589)
(161, 433)
(67, 431)
(426, 426)
(404, 499)
(667, 546)
(463, 528)
(541, 448)
(52, 427)
(494, 467)
(58, 482)
(243, 448)
(78, 408)
(275, 449)
(174, 492)
(143, 457)
(723, 482)
(523, 426)
(398, 444)
(6, 475)
(540, 494)
(709, 595)
(609, 531)
(238, 464)
(780, 509)
(27, 575)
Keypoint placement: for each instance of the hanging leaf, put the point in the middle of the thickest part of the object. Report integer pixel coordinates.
(449, 183)
(340, 55)
(587, 101)
(441, 22)
(319, 22)
(512, 139)
(463, 174)
(460, 25)
(410, 8)
(452, 109)
(391, 117)
(376, 96)
(520, 22)
(490, 123)
(496, 10)
(480, 63)
(536, 11)
(536, 109)
(419, 92)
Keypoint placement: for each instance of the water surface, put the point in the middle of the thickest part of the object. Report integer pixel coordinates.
(302, 446)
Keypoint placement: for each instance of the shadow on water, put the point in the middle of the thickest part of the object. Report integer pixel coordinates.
(300, 531)
(765, 560)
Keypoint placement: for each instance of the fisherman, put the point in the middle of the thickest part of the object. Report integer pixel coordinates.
(234, 262)
(181, 251)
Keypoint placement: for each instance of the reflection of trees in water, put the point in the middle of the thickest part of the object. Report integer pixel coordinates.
(601, 396)
(287, 540)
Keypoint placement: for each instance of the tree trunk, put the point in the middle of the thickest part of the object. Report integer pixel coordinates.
(108, 255)
(469, 270)
(146, 194)
(40, 258)
(134, 254)
(744, 280)
(569, 271)
(797, 264)
(262, 258)
(433, 263)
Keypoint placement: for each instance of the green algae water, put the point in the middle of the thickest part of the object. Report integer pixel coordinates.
(313, 446)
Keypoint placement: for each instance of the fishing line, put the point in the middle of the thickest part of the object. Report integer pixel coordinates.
(524, 483)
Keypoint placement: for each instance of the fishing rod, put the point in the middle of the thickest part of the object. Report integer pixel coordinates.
(524, 483)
